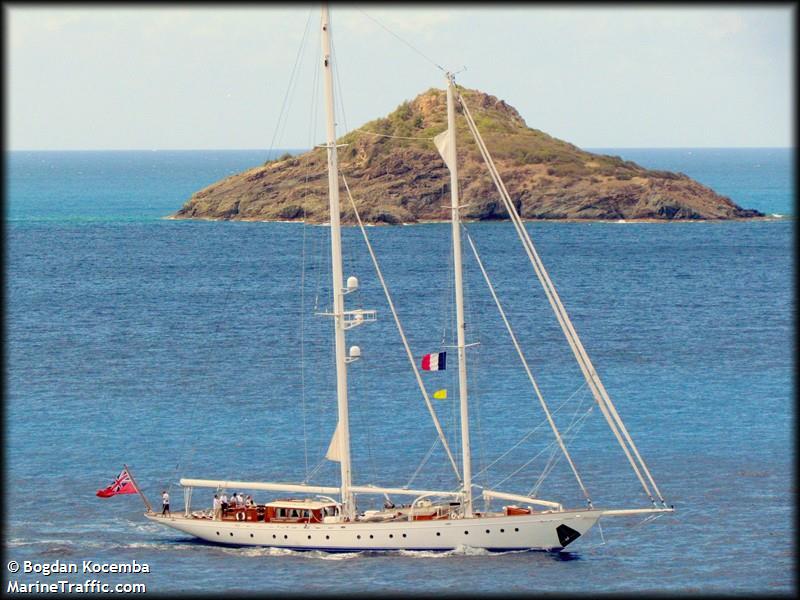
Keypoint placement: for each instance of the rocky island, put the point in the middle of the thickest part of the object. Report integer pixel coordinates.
(397, 176)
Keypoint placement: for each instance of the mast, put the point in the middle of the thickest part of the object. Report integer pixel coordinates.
(458, 278)
(343, 426)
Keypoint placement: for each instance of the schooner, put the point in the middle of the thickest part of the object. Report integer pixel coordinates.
(327, 518)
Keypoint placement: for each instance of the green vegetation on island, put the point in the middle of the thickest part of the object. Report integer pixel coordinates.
(397, 176)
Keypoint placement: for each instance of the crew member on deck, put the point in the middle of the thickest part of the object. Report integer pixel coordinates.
(223, 502)
(165, 504)
(217, 507)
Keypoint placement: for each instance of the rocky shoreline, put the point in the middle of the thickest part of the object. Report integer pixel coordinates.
(398, 177)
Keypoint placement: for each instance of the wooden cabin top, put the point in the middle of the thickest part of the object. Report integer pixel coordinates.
(304, 504)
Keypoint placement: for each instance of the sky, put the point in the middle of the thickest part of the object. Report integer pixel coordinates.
(201, 77)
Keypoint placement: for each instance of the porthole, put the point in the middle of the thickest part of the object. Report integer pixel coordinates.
(438, 533)
(286, 537)
(218, 533)
(502, 531)
(358, 537)
(466, 533)
(391, 535)
(487, 531)
(309, 537)
(231, 534)
(251, 535)
(371, 536)
(404, 535)
(274, 536)
(327, 537)
(516, 528)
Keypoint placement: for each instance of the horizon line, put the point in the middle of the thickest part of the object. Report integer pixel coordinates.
(307, 149)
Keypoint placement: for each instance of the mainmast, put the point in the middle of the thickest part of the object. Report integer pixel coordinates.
(343, 427)
(460, 328)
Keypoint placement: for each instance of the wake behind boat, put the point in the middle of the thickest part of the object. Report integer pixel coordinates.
(320, 517)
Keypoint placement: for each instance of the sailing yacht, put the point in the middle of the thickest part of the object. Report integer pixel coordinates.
(320, 517)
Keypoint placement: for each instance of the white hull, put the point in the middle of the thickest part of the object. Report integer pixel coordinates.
(501, 533)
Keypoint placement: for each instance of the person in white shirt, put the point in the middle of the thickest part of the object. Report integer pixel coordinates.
(223, 502)
(217, 507)
(165, 504)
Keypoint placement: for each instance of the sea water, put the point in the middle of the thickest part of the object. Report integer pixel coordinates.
(195, 349)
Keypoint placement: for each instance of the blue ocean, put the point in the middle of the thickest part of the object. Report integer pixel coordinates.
(194, 349)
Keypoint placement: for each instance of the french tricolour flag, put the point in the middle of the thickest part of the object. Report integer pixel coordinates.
(434, 362)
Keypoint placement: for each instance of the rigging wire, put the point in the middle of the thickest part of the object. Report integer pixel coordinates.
(339, 102)
(318, 240)
(541, 424)
(603, 542)
(524, 361)
(548, 467)
(185, 462)
(364, 423)
(476, 389)
(542, 451)
(555, 457)
(360, 417)
(386, 135)
(447, 308)
(338, 89)
(312, 125)
(276, 131)
(598, 390)
(344, 117)
(423, 462)
(415, 49)
(409, 354)
(303, 345)
(290, 86)
(476, 395)
(449, 328)
(315, 470)
(447, 312)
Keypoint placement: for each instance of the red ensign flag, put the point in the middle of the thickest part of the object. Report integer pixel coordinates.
(121, 485)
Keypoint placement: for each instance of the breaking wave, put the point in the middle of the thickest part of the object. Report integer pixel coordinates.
(460, 550)
(14, 542)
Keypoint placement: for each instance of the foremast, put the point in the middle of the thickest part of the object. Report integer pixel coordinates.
(452, 164)
(343, 426)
